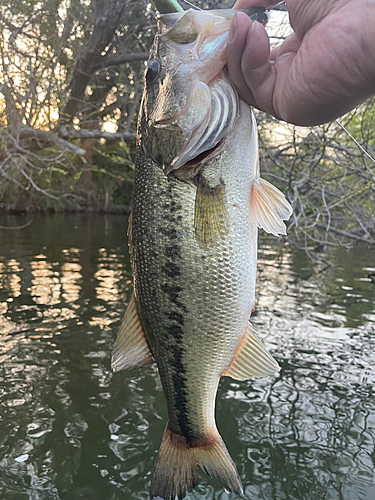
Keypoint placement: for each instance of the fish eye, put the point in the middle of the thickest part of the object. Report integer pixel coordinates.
(153, 71)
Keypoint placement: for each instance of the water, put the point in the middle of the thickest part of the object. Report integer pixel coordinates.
(70, 429)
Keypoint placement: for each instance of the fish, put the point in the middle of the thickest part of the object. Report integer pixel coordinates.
(198, 202)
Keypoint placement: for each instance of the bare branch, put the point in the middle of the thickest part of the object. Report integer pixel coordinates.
(106, 61)
(346, 234)
(106, 23)
(44, 139)
(72, 133)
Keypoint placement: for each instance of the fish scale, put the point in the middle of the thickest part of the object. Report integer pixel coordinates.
(216, 311)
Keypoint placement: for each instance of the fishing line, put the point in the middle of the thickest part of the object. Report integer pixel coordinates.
(192, 5)
(283, 6)
(355, 140)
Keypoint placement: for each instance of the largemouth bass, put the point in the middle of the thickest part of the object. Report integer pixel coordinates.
(198, 201)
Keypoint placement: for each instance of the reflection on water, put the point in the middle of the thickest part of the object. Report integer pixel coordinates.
(109, 275)
(307, 433)
(9, 279)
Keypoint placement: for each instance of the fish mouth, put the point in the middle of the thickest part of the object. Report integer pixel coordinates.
(203, 156)
(188, 170)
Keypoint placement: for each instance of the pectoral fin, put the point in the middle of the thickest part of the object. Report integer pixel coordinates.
(269, 207)
(210, 218)
(131, 349)
(251, 359)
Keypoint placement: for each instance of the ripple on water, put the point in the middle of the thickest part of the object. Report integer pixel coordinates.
(304, 433)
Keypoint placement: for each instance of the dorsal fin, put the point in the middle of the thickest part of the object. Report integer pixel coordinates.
(269, 207)
(251, 359)
(131, 349)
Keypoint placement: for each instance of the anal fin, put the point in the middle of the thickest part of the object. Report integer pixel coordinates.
(269, 207)
(131, 349)
(251, 359)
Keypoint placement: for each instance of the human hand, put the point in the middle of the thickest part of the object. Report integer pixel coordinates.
(321, 71)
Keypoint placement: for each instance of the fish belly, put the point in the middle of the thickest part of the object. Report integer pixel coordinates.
(194, 301)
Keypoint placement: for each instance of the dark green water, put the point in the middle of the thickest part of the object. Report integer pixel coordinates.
(306, 433)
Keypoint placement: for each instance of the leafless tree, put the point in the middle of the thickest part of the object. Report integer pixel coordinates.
(71, 81)
(66, 68)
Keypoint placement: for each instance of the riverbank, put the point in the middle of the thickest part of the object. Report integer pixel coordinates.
(113, 210)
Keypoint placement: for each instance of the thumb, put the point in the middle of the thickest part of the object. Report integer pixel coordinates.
(248, 62)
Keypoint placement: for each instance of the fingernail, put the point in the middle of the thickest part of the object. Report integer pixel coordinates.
(232, 28)
(253, 26)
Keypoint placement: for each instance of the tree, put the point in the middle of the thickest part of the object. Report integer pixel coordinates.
(66, 68)
(330, 178)
(71, 78)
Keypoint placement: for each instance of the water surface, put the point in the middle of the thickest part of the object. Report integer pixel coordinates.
(306, 433)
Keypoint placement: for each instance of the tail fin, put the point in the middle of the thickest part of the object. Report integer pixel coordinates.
(176, 469)
(215, 461)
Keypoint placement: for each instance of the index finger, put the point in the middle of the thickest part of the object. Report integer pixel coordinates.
(244, 4)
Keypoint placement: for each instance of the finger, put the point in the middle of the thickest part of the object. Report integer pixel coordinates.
(271, 86)
(290, 44)
(239, 28)
(275, 53)
(257, 70)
